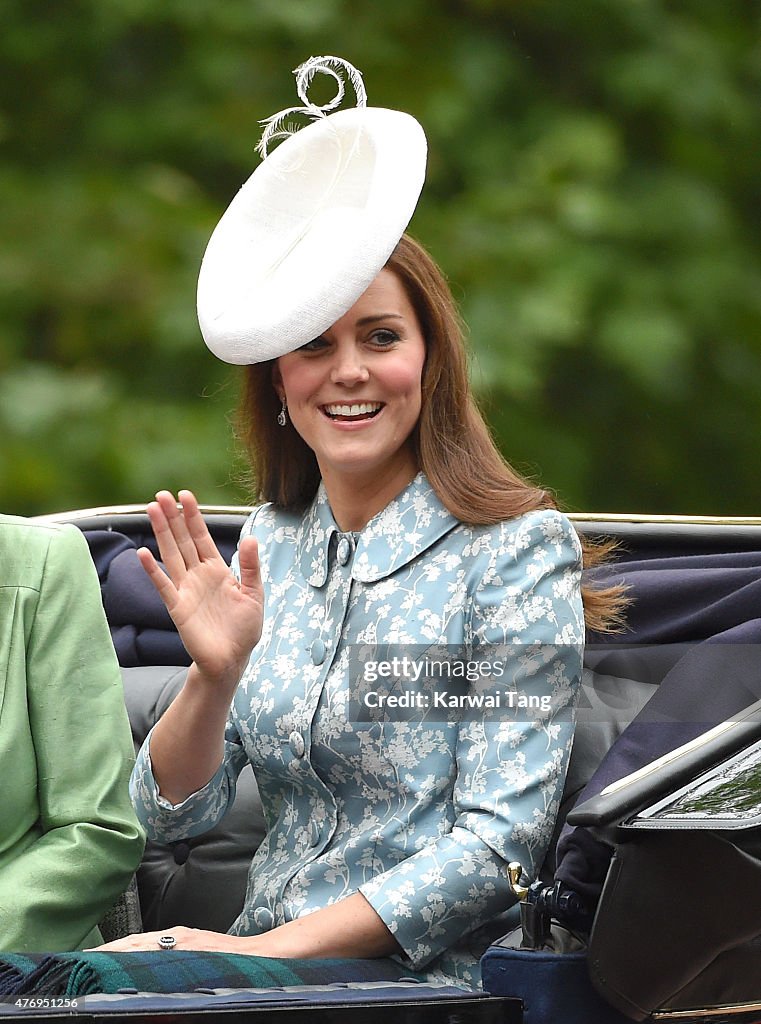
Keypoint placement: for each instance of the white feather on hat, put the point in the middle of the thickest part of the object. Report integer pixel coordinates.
(314, 224)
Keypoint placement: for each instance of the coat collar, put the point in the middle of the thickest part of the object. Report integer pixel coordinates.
(406, 527)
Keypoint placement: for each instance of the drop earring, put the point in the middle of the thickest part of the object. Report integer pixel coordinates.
(282, 416)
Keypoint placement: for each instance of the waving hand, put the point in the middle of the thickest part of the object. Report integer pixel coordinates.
(218, 619)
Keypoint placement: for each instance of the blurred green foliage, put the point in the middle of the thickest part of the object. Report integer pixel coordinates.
(593, 194)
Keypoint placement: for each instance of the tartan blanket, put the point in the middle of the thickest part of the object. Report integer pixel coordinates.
(166, 971)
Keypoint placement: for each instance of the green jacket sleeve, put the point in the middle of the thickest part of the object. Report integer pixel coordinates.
(65, 754)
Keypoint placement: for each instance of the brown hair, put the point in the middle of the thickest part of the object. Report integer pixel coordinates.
(452, 444)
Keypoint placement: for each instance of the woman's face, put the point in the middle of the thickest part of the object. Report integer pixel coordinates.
(354, 393)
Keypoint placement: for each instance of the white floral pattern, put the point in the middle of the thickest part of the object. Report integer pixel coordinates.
(420, 815)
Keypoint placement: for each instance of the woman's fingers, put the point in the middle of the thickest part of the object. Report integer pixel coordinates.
(218, 620)
(181, 533)
(169, 550)
(178, 528)
(196, 526)
(184, 938)
(140, 940)
(248, 564)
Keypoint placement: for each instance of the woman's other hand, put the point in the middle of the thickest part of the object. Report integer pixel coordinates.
(218, 618)
(185, 938)
(348, 928)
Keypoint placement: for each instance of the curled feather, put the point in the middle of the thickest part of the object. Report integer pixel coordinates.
(278, 127)
(336, 68)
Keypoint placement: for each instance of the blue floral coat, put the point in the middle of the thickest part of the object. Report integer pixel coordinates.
(419, 812)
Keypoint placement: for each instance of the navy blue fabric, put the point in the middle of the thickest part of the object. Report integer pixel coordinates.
(104, 547)
(554, 987)
(129, 597)
(686, 598)
(694, 627)
(141, 629)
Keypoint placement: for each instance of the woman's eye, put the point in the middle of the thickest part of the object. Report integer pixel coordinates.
(384, 337)
(316, 345)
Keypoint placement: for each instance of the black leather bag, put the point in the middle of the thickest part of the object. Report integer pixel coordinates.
(679, 924)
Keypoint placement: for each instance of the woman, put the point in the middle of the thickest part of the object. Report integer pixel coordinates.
(69, 839)
(391, 518)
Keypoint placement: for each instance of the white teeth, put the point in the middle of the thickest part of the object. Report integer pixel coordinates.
(362, 409)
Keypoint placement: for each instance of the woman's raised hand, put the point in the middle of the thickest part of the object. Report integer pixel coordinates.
(218, 619)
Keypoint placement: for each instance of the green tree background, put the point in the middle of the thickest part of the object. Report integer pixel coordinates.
(593, 195)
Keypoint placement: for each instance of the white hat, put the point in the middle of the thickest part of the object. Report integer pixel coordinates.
(313, 226)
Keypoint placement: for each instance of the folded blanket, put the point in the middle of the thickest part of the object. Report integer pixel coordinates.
(80, 973)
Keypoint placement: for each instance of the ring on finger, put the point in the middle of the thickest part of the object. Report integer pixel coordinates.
(167, 942)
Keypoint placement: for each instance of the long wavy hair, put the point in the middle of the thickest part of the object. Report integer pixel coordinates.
(451, 441)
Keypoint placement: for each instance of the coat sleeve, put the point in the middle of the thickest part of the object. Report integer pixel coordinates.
(202, 810)
(76, 859)
(525, 616)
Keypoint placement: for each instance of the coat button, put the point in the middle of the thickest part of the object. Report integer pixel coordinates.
(343, 551)
(314, 834)
(296, 743)
(264, 918)
(318, 651)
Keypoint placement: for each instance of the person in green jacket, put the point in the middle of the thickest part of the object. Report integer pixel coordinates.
(69, 839)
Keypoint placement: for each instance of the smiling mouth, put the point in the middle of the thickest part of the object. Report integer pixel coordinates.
(352, 413)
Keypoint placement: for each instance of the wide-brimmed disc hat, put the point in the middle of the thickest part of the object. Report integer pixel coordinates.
(314, 224)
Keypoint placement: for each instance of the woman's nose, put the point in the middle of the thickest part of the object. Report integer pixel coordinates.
(348, 366)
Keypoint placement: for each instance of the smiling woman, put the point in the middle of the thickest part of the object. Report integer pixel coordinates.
(354, 396)
(388, 519)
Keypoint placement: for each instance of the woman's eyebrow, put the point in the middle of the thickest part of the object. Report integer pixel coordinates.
(363, 321)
